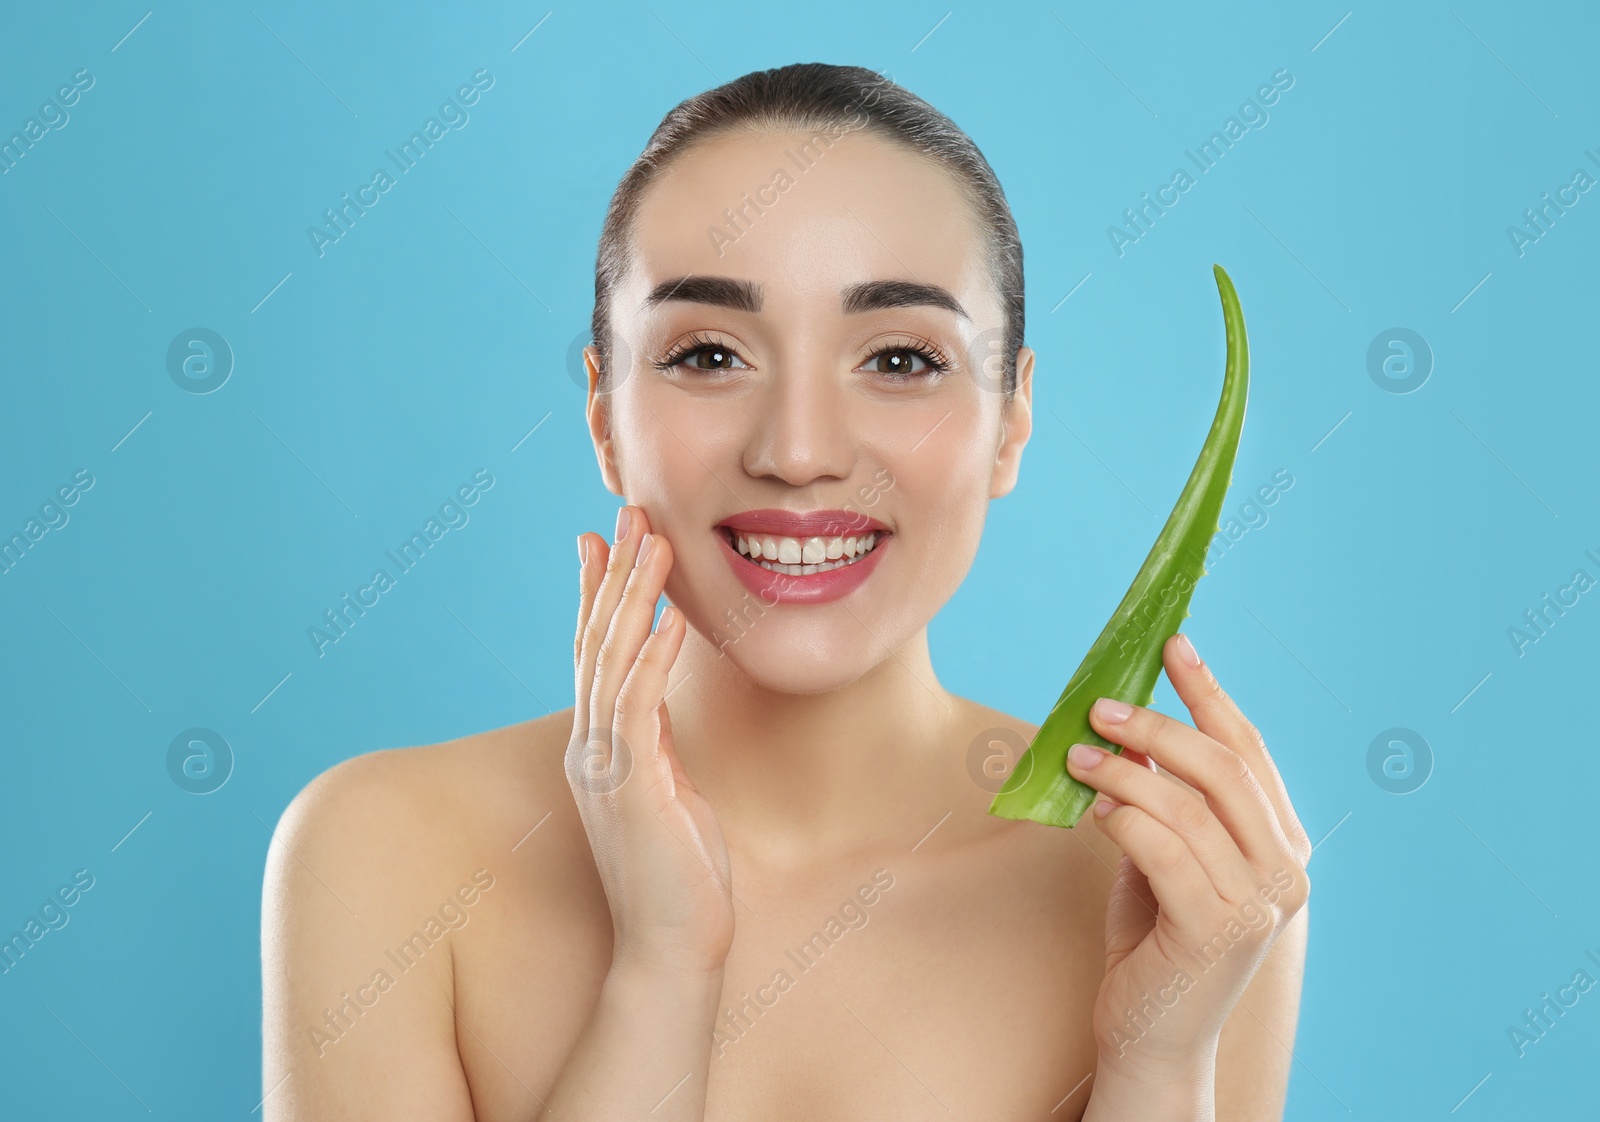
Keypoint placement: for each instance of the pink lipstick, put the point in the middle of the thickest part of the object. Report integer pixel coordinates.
(802, 557)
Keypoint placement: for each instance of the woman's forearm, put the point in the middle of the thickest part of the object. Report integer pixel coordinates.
(1124, 1094)
(646, 1051)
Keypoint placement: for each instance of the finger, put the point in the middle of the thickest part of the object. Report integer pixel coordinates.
(630, 626)
(1216, 715)
(592, 553)
(1220, 774)
(706, 830)
(640, 719)
(599, 561)
(645, 720)
(1179, 884)
(587, 760)
(1183, 812)
(680, 778)
(618, 564)
(1138, 757)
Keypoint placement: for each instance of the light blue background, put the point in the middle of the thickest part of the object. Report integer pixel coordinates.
(434, 336)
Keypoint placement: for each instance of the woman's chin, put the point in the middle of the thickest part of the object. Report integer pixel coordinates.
(781, 662)
(809, 677)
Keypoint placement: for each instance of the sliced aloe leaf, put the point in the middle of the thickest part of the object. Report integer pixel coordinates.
(1126, 659)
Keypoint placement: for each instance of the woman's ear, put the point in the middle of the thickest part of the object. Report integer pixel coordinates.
(598, 412)
(1016, 425)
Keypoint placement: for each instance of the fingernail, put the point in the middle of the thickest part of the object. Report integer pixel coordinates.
(644, 548)
(1112, 711)
(666, 618)
(583, 552)
(622, 524)
(1084, 756)
(1105, 807)
(1186, 649)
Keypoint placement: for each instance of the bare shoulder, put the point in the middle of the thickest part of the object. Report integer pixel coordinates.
(375, 874)
(430, 783)
(997, 742)
(390, 821)
(980, 714)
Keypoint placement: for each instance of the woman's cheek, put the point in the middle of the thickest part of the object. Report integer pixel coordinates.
(938, 506)
(662, 445)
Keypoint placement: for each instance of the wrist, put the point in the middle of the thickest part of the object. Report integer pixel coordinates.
(650, 959)
(1181, 1090)
(659, 987)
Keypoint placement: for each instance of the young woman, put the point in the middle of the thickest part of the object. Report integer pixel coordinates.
(751, 873)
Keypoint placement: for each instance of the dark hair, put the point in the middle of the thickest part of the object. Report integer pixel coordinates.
(817, 96)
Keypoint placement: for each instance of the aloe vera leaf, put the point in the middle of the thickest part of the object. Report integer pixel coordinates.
(1126, 659)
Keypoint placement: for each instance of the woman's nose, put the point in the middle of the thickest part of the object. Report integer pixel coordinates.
(800, 430)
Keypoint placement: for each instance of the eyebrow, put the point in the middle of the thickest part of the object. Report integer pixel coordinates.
(745, 296)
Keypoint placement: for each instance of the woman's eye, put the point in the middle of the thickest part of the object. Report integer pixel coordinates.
(709, 357)
(899, 362)
(895, 363)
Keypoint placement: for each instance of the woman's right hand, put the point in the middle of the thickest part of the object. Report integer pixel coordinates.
(657, 844)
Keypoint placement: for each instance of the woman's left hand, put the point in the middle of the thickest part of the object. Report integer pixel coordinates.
(1212, 873)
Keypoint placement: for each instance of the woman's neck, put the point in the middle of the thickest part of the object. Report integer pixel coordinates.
(795, 776)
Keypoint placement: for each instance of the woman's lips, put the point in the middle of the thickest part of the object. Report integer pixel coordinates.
(808, 588)
(803, 524)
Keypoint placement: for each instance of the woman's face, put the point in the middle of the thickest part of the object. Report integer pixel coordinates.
(792, 404)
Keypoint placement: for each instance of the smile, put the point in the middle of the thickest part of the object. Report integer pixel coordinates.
(802, 558)
(798, 557)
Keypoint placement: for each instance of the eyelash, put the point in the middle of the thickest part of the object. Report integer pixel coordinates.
(937, 363)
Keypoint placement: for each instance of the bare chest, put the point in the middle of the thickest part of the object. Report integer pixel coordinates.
(937, 999)
(902, 991)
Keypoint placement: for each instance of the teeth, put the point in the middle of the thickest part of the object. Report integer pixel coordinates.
(803, 556)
